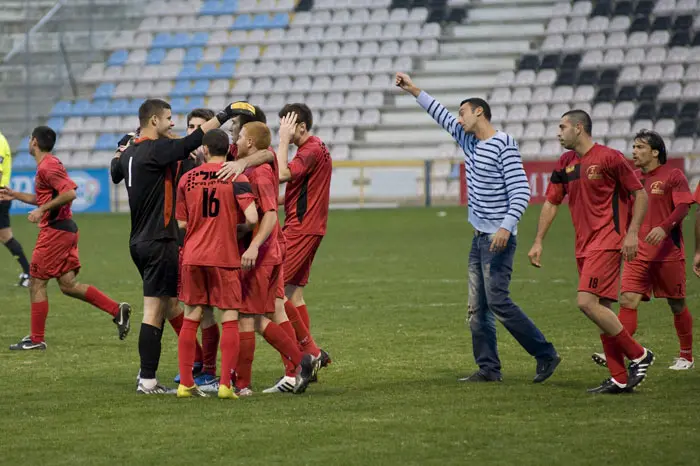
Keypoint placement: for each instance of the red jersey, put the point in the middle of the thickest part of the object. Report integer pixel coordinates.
(307, 195)
(667, 188)
(51, 180)
(265, 184)
(598, 185)
(212, 209)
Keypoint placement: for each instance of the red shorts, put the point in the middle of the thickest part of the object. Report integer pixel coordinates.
(665, 279)
(55, 254)
(260, 289)
(301, 250)
(179, 271)
(599, 273)
(211, 286)
(279, 292)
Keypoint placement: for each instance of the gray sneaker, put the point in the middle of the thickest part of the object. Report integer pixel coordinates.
(157, 389)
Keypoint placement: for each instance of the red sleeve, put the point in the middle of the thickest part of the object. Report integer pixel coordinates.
(555, 189)
(680, 190)
(303, 163)
(697, 193)
(243, 192)
(181, 202)
(55, 175)
(623, 172)
(268, 190)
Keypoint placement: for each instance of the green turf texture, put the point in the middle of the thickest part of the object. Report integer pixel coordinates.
(388, 301)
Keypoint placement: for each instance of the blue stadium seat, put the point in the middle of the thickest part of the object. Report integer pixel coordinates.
(243, 22)
(104, 91)
(61, 109)
(118, 107)
(225, 71)
(219, 7)
(133, 108)
(118, 58)
(107, 141)
(80, 108)
(199, 39)
(231, 54)
(229, 7)
(200, 87)
(193, 55)
(22, 160)
(188, 72)
(179, 105)
(195, 102)
(207, 71)
(180, 40)
(56, 124)
(281, 20)
(155, 56)
(162, 40)
(181, 89)
(261, 21)
(98, 108)
(23, 144)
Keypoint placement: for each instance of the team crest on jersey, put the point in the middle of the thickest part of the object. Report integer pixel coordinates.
(593, 172)
(570, 168)
(657, 187)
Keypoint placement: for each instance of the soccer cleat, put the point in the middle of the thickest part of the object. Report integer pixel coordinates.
(26, 344)
(600, 359)
(681, 364)
(190, 392)
(207, 382)
(157, 389)
(309, 366)
(227, 393)
(325, 359)
(123, 320)
(23, 280)
(637, 371)
(244, 392)
(610, 387)
(545, 368)
(283, 385)
(479, 376)
(196, 372)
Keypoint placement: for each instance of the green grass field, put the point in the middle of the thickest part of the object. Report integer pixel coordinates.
(388, 301)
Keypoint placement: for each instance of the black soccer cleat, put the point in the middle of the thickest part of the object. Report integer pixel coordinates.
(324, 361)
(478, 377)
(123, 320)
(545, 368)
(26, 344)
(600, 359)
(309, 365)
(609, 387)
(637, 371)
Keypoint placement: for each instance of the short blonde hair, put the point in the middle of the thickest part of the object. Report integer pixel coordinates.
(259, 133)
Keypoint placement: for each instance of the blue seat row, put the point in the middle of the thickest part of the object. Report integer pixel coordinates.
(262, 21)
(185, 89)
(192, 55)
(180, 40)
(108, 141)
(22, 160)
(83, 107)
(218, 7)
(207, 71)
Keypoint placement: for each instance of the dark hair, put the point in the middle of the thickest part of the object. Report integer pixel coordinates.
(217, 142)
(580, 117)
(259, 116)
(476, 102)
(303, 113)
(202, 113)
(655, 141)
(151, 107)
(45, 138)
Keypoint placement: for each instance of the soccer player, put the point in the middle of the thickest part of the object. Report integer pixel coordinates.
(56, 250)
(598, 181)
(263, 259)
(498, 196)
(5, 231)
(148, 167)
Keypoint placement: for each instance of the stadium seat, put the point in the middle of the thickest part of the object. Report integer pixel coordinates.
(104, 91)
(155, 56)
(243, 22)
(193, 55)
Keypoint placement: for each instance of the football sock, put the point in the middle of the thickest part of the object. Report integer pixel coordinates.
(149, 350)
(101, 301)
(229, 351)
(615, 359)
(210, 344)
(244, 368)
(176, 323)
(302, 332)
(38, 322)
(18, 253)
(186, 350)
(280, 341)
(629, 346)
(304, 315)
(289, 368)
(628, 319)
(684, 328)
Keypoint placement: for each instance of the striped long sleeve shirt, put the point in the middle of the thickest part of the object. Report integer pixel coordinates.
(498, 190)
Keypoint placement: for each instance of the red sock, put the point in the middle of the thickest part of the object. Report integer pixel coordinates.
(39, 312)
(229, 351)
(304, 316)
(629, 345)
(289, 368)
(614, 358)
(302, 332)
(210, 343)
(280, 341)
(176, 323)
(101, 301)
(684, 329)
(186, 344)
(244, 368)
(628, 319)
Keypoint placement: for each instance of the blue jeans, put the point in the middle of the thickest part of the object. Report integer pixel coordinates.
(489, 280)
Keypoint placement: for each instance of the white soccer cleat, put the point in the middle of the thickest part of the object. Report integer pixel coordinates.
(23, 280)
(283, 385)
(682, 364)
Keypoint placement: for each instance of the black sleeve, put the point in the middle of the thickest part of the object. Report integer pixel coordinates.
(115, 170)
(168, 151)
